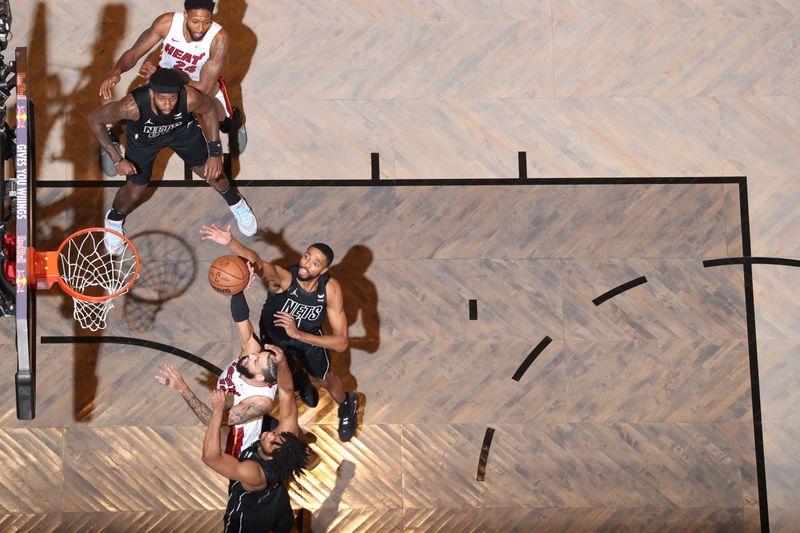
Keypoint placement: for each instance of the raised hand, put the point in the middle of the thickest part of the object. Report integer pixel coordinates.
(252, 275)
(214, 233)
(219, 399)
(168, 375)
(108, 84)
(147, 69)
(277, 354)
(287, 322)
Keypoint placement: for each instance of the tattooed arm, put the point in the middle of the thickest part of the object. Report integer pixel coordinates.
(168, 375)
(108, 114)
(200, 410)
(249, 409)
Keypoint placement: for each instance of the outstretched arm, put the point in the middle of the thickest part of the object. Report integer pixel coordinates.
(271, 273)
(249, 473)
(250, 409)
(168, 375)
(249, 343)
(288, 404)
(337, 319)
(146, 41)
(240, 313)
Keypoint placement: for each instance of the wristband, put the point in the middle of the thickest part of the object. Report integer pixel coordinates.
(214, 148)
(240, 311)
(118, 162)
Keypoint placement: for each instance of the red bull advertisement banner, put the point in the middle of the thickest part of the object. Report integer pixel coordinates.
(22, 179)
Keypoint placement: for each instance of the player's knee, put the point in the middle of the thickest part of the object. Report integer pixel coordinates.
(221, 113)
(136, 191)
(131, 192)
(329, 379)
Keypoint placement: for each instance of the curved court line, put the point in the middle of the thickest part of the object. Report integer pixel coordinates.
(619, 290)
(487, 443)
(751, 261)
(130, 341)
(531, 357)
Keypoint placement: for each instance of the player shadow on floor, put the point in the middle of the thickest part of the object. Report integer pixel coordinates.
(80, 148)
(168, 268)
(45, 89)
(359, 294)
(328, 510)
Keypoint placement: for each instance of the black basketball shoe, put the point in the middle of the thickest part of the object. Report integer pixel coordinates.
(348, 417)
(300, 378)
(309, 394)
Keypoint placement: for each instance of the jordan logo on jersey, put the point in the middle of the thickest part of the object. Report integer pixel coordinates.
(301, 312)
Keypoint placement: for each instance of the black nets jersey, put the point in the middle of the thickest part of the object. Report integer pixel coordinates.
(307, 308)
(258, 511)
(155, 129)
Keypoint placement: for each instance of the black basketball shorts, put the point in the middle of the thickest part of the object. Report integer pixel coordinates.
(314, 359)
(189, 143)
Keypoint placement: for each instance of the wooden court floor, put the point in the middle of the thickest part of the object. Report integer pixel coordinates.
(637, 415)
(444, 89)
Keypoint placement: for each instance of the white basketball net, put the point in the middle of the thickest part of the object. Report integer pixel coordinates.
(85, 263)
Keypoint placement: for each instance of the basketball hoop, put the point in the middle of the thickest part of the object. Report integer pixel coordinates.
(88, 273)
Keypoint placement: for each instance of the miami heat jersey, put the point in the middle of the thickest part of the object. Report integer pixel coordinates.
(242, 435)
(188, 56)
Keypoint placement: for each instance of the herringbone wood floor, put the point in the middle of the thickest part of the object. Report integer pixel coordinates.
(639, 405)
(446, 89)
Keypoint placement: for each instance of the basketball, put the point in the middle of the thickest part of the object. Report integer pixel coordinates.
(228, 274)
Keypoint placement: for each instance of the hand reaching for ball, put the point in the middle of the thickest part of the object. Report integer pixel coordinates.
(214, 233)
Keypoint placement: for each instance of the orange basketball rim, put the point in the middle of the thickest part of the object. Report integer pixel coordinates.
(85, 270)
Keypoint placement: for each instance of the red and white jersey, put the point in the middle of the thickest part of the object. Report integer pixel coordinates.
(189, 56)
(242, 435)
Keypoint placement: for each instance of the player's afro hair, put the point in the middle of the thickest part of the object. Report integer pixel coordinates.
(208, 5)
(288, 459)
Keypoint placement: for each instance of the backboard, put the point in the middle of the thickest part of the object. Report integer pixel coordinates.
(25, 378)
